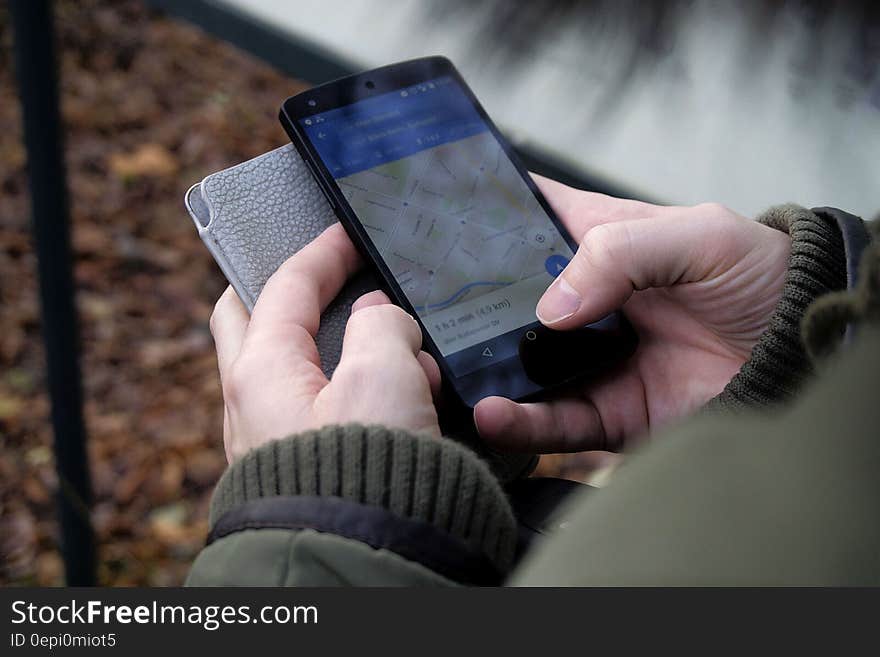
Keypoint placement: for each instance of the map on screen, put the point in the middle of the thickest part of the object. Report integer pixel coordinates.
(454, 222)
(453, 219)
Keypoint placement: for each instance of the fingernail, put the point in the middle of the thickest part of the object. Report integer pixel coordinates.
(559, 302)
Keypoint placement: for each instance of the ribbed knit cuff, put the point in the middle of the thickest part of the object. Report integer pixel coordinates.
(778, 364)
(417, 477)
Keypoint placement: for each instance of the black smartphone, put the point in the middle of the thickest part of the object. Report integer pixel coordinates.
(436, 199)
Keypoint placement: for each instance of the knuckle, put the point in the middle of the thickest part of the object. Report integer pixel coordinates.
(361, 321)
(725, 222)
(217, 312)
(605, 243)
(363, 316)
(292, 277)
(287, 268)
(362, 300)
(212, 321)
(368, 300)
(382, 315)
(396, 313)
(366, 373)
(713, 209)
(337, 238)
(236, 381)
(355, 373)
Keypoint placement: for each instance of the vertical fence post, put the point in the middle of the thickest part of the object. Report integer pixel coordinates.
(38, 88)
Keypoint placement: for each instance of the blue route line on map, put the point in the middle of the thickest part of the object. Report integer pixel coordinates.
(459, 292)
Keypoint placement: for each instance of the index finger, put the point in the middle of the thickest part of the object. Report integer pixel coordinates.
(547, 427)
(295, 295)
(580, 210)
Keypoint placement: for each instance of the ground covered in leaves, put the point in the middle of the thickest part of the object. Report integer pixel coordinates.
(150, 105)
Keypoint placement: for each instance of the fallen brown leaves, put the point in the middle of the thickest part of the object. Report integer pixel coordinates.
(147, 160)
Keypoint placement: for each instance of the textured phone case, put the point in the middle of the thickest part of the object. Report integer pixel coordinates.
(255, 215)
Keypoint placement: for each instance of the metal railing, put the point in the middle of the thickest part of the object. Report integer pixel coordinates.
(36, 69)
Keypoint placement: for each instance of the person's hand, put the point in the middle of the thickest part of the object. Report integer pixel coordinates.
(269, 366)
(699, 284)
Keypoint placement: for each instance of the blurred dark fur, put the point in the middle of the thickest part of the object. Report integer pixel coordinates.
(512, 31)
(518, 27)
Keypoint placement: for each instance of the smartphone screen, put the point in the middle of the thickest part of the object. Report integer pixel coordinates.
(464, 236)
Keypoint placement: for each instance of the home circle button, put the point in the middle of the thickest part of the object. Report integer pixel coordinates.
(531, 335)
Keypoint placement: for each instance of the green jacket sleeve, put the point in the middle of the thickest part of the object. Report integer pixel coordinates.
(779, 364)
(357, 505)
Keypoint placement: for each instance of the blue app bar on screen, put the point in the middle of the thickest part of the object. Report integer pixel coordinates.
(391, 126)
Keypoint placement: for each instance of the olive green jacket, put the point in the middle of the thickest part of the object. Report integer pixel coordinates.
(776, 481)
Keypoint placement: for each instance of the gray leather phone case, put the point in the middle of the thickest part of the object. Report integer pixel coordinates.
(255, 215)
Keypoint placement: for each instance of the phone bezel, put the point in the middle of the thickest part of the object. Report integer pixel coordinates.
(507, 377)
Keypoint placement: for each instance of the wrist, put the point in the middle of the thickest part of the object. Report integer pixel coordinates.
(779, 364)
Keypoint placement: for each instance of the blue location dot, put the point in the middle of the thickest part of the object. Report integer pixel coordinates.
(555, 264)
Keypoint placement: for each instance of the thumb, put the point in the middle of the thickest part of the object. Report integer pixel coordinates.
(616, 259)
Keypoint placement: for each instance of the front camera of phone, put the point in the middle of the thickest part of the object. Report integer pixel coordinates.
(312, 102)
(370, 84)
